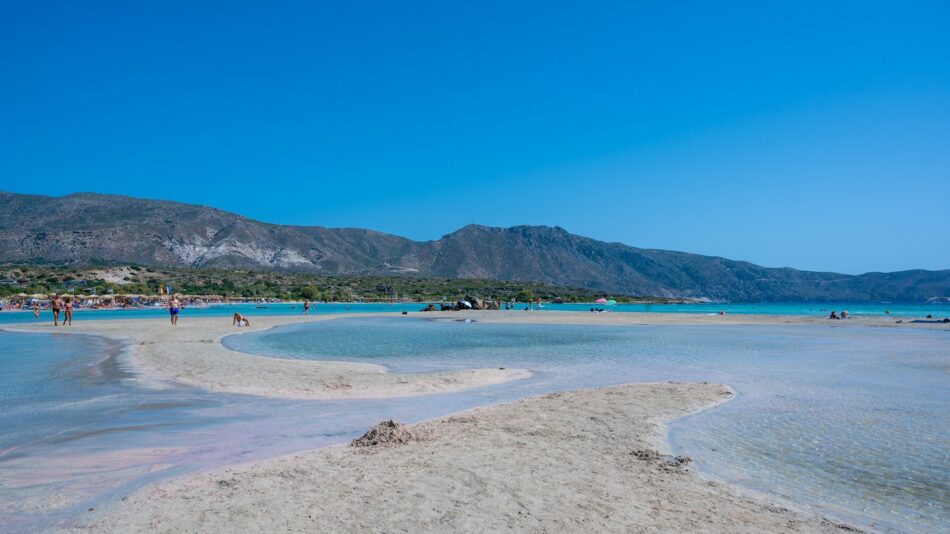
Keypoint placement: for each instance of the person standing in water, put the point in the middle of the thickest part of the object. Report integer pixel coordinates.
(36, 310)
(306, 306)
(68, 311)
(174, 308)
(56, 306)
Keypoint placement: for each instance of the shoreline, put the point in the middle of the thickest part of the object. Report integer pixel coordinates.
(592, 459)
(203, 338)
(192, 353)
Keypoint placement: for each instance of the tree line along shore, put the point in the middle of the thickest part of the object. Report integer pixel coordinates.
(237, 284)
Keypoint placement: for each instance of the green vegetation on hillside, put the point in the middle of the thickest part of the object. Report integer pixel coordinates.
(135, 279)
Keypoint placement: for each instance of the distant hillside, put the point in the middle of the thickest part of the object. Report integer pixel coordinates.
(88, 228)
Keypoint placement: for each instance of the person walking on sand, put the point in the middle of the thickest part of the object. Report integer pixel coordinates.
(174, 308)
(68, 311)
(56, 306)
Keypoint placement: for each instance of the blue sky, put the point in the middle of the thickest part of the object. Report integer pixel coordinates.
(807, 134)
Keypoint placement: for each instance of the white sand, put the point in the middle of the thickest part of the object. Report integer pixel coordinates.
(565, 462)
(191, 353)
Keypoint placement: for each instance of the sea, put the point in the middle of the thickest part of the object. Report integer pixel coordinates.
(849, 422)
(858, 309)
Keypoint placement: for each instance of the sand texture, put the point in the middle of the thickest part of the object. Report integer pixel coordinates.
(587, 461)
(191, 353)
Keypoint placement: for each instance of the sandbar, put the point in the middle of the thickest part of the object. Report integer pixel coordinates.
(191, 353)
(584, 461)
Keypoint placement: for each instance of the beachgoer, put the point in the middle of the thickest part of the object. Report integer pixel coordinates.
(68, 311)
(36, 310)
(56, 305)
(306, 306)
(930, 316)
(174, 308)
(844, 314)
(240, 320)
(834, 315)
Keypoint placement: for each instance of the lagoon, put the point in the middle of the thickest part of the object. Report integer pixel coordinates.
(849, 421)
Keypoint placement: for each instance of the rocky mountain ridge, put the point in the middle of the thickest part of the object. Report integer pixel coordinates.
(89, 228)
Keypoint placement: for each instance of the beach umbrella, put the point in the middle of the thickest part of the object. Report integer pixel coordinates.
(600, 301)
(611, 302)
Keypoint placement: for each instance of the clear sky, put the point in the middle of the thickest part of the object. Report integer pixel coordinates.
(807, 134)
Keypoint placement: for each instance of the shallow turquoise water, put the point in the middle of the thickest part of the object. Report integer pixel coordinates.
(853, 420)
(850, 422)
(898, 311)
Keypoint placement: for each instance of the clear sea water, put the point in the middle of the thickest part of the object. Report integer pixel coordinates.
(774, 308)
(852, 422)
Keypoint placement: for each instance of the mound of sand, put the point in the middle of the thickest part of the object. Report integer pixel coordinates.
(666, 462)
(387, 434)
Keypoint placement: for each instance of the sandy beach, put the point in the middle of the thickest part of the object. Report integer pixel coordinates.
(191, 353)
(586, 460)
(591, 460)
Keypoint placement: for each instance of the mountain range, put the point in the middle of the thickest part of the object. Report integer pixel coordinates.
(89, 228)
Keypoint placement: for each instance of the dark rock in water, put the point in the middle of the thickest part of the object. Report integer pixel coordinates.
(429, 308)
(449, 307)
(476, 303)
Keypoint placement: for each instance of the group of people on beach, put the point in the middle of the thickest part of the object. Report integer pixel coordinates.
(510, 305)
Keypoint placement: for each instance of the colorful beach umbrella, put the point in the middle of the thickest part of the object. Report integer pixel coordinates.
(601, 301)
(611, 302)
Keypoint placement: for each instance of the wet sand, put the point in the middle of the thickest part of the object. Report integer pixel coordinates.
(588, 460)
(191, 353)
(591, 460)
